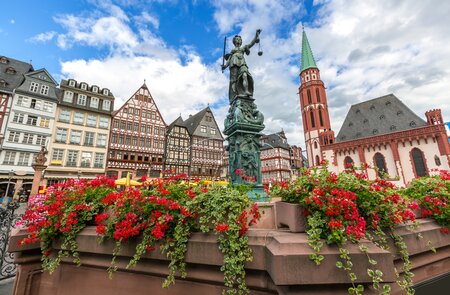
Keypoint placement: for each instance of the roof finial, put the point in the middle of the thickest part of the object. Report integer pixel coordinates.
(144, 81)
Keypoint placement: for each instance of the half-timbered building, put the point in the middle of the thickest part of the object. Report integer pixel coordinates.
(137, 137)
(206, 144)
(177, 152)
(275, 158)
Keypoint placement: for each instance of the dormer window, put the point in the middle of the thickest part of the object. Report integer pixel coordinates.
(10, 70)
(105, 92)
(72, 83)
(350, 124)
(399, 113)
(372, 107)
(393, 127)
(95, 89)
(4, 60)
(412, 124)
(83, 86)
(3, 83)
(388, 103)
(34, 87)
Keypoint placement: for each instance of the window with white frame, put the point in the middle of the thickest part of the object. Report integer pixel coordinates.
(44, 89)
(40, 139)
(28, 138)
(34, 87)
(81, 99)
(18, 118)
(95, 89)
(104, 122)
(105, 92)
(72, 83)
(203, 128)
(101, 139)
(86, 159)
(22, 101)
(78, 118)
(106, 105)
(9, 158)
(99, 159)
(68, 96)
(57, 155)
(48, 106)
(94, 102)
(64, 115)
(72, 158)
(23, 159)
(89, 138)
(44, 122)
(83, 86)
(75, 137)
(61, 135)
(91, 120)
(32, 120)
(213, 130)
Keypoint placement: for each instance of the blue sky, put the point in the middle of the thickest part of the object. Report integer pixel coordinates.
(364, 49)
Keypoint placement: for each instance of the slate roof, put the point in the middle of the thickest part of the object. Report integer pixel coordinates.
(382, 115)
(274, 140)
(13, 80)
(178, 122)
(192, 122)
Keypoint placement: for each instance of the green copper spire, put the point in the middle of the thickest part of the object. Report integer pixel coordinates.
(307, 55)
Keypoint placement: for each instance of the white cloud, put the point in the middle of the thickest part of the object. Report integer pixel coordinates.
(364, 49)
(43, 37)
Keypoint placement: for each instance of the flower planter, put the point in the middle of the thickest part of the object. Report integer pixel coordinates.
(290, 215)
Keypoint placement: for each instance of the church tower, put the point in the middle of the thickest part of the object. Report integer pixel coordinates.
(313, 106)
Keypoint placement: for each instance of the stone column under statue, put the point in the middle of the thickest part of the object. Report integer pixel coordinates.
(244, 122)
(38, 166)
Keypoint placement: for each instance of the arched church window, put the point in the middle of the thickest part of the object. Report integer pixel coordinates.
(313, 122)
(308, 92)
(437, 160)
(320, 118)
(317, 160)
(380, 163)
(317, 95)
(418, 162)
(315, 144)
(348, 162)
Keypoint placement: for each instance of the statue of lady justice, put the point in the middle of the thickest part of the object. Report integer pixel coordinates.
(241, 82)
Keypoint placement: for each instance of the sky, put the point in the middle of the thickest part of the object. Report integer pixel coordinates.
(364, 49)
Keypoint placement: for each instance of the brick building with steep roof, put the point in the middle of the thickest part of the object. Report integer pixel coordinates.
(382, 132)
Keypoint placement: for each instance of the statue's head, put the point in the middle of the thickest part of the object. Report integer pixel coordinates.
(237, 40)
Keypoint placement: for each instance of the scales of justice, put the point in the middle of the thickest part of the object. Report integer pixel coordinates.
(244, 122)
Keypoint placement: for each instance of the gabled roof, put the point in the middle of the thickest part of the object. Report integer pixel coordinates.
(307, 60)
(13, 80)
(382, 115)
(275, 140)
(178, 122)
(193, 121)
(35, 74)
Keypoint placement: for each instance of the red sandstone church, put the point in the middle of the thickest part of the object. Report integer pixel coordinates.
(382, 132)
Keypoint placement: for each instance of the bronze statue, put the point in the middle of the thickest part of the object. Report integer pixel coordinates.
(241, 81)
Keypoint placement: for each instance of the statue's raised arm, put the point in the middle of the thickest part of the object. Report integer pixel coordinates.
(253, 42)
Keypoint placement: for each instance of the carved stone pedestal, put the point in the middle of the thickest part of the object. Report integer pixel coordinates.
(242, 127)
